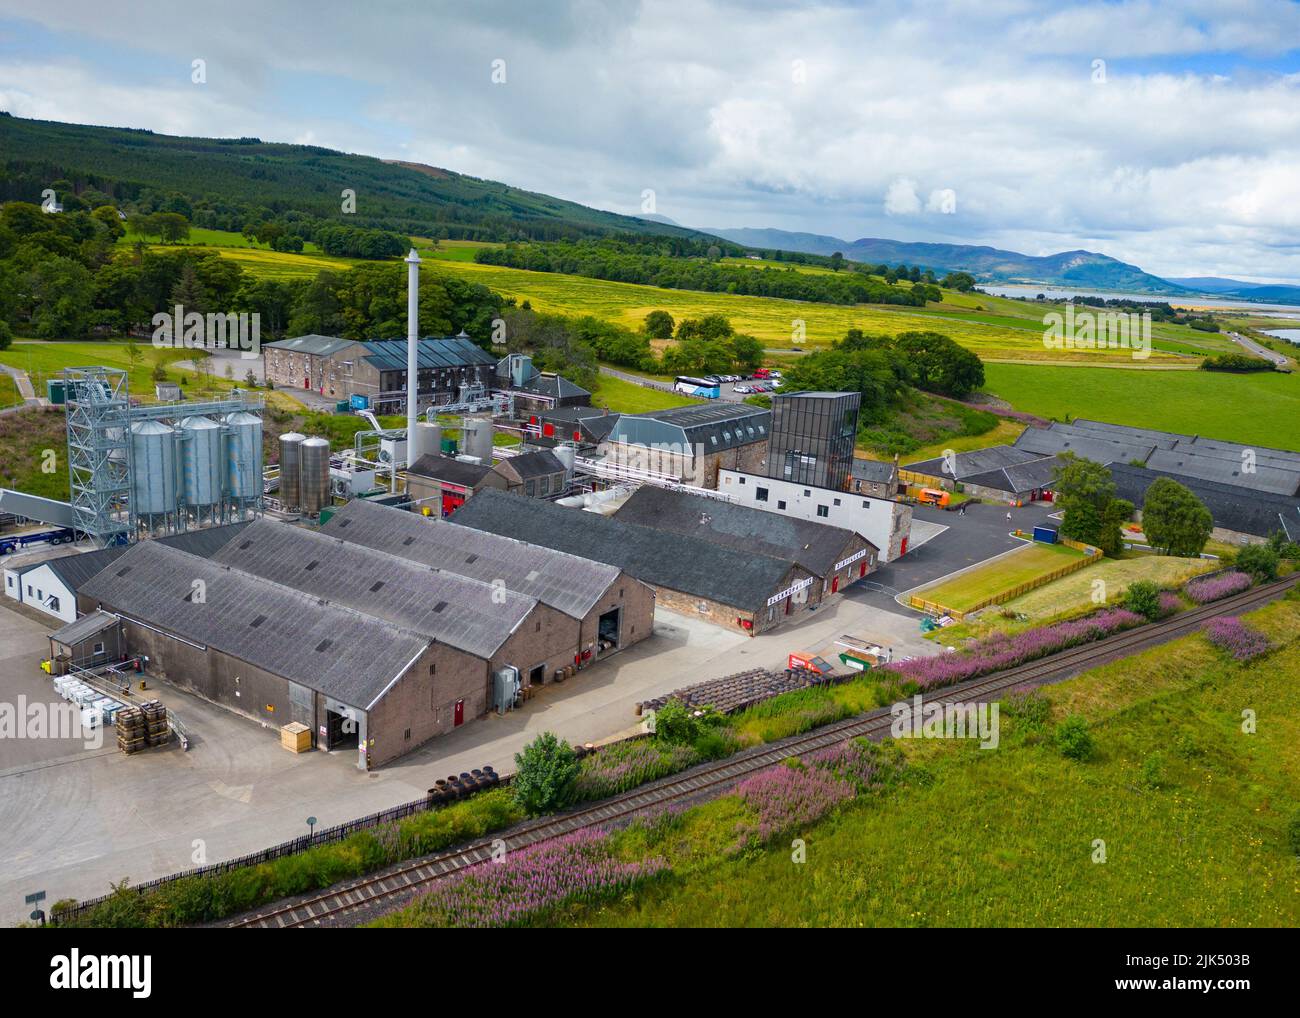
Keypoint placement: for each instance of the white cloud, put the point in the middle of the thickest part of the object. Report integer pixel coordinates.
(1182, 162)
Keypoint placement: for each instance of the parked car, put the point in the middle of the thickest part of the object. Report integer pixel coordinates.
(743, 389)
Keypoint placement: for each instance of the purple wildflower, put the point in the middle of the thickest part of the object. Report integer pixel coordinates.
(1238, 639)
(786, 798)
(1215, 588)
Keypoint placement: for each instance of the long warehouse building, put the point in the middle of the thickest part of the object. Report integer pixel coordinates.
(703, 574)
(374, 651)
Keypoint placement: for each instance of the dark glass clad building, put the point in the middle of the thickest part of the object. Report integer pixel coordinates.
(812, 437)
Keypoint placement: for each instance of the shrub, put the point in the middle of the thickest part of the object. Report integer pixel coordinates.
(1215, 588)
(1260, 561)
(1143, 597)
(1153, 770)
(786, 797)
(677, 724)
(1293, 833)
(546, 775)
(1230, 634)
(1074, 740)
(1170, 602)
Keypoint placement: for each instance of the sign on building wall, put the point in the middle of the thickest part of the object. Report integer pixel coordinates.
(792, 589)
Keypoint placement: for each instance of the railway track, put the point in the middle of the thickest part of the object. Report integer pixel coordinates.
(331, 905)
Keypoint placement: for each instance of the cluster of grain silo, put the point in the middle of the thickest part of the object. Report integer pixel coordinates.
(304, 473)
(195, 470)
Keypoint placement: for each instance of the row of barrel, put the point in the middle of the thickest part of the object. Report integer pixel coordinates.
(463, 785)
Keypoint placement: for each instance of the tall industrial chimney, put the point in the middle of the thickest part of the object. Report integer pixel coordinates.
(412, 342)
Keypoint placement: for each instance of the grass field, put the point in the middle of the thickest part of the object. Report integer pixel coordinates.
(630, 398)
(1263, 409)
(1192, 813)
(1024, 565)
(1076, 590)
(43, 360)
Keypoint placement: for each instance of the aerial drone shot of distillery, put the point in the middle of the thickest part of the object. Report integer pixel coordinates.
(414, 513)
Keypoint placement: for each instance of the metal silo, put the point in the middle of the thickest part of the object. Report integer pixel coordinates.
(201, 461)
(244, 456)
(315, 483)
(153, 468)
(291, 469)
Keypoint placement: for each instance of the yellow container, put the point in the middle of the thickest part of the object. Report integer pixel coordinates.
(295, 737)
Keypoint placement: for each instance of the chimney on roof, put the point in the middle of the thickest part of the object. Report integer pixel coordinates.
(412, 341)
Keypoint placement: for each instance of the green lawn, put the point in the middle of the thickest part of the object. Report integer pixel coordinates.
(43, 360)
(1023, 565)
(1191, 813)
(1258, 408)
(630, 398)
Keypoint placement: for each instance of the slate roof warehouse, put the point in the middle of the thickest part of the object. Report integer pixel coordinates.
(705, 573)
(290, 624)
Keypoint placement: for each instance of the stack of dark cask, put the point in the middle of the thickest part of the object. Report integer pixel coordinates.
(131, 730)
(155, 716)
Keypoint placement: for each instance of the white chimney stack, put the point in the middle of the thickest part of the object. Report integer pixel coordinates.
(412, 345)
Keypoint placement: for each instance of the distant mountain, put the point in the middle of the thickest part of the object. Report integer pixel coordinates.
(1209, 284)
(225, 182)
(987, 264)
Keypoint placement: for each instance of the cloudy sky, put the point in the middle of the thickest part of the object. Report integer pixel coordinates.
(1164, 134)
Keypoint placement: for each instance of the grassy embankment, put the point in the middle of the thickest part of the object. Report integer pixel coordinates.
(1190, 811)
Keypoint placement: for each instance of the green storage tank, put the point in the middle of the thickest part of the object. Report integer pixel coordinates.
(57, 391)
(449, 447)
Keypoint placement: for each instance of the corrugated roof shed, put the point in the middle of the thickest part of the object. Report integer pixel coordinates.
(714, 426)
(467, 614)
(1226, 470)
(207, 541)
(977, 461)
(1019, 478)
(880, 471)
(342, 653)
(1061, 438)
(77, 568)
(317, 346)
(1233, 507)
(689, 565)
(450, 352)
(84, 628)
(445, 468)
(534, 464)
(568, 583)
(815, 546)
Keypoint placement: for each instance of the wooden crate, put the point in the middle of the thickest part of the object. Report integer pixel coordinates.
(295, 737)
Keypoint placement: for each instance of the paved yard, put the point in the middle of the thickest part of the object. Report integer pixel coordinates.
(73, 819)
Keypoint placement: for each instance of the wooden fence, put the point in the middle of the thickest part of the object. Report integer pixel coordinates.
(1090, 554)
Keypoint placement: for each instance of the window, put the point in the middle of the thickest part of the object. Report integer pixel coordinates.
(823, 511)
(806, 492)
(760, 494)
(54, 603)
(29, 590)
(866, 504)
(529, 488)
(433, 669)
(98, 649)
(780, 505)
(836, 501)
(742, 480)
(546, 485)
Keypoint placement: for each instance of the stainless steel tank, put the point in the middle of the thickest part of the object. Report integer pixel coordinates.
(315, 482)
(153, 468)
(476, 439)
(291, 469)
(202, 461)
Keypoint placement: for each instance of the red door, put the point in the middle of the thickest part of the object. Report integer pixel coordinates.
(862, 570)
(835, 585)
(903, 550)
(450, 503)
(458, 717)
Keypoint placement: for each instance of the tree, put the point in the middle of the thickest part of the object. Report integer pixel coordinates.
(6, 335)
(1084, 491)
(546, 775)
(837, 261)
(1074, 740)
(1174, 519)
(172, 227)
(659, 325)
(961, 281)
(940, 365)
(189, 292)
